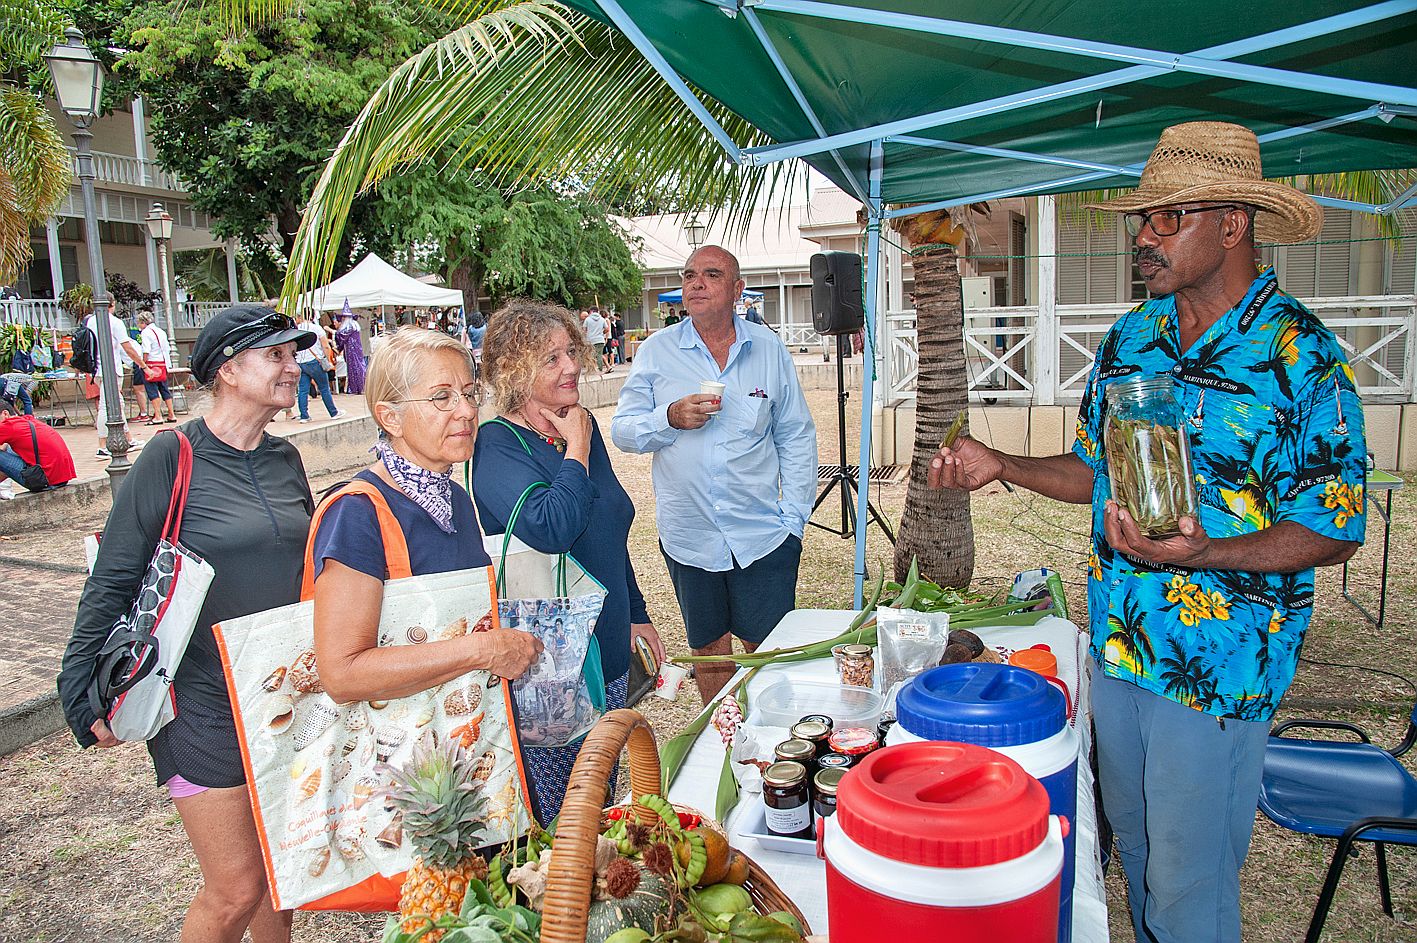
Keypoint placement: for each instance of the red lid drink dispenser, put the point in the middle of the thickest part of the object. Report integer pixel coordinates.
(942, 841)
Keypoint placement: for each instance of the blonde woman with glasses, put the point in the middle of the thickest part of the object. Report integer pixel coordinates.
(422, 394)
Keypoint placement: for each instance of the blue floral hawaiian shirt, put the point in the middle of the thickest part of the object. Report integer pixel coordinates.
(1276, 434)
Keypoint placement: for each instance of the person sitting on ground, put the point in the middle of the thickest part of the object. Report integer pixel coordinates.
(534, 356)
(25, 441)
(248, 515)
(157, 352)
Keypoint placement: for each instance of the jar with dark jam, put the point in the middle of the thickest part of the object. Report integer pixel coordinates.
(786, 802)
(824, 792)
(822, 719)
(815, 733)
(834, 761)
(796, 751)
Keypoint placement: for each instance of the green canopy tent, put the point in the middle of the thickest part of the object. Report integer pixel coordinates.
(1005, 98)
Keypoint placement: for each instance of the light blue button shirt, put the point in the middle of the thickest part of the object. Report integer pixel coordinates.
(735, 488)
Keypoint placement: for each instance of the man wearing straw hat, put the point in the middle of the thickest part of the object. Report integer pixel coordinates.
(1196, 637)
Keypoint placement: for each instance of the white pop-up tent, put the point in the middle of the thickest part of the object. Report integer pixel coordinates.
(374, 283)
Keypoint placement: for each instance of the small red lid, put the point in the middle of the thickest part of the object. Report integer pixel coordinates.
(941, 804)
(853, 741)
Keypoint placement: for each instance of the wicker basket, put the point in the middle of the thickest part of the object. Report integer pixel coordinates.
(571, 871)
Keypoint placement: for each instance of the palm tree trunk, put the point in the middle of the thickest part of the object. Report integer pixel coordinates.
(936, 527)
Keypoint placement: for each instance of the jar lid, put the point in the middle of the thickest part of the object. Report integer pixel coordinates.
(827, 780)
(822, 719)
(991, 705)
(786, 773)
(834, 761)
(856, 650)
(810, 730)
(794, 750)
(948, 805)
(1036, 660)
(853, 741)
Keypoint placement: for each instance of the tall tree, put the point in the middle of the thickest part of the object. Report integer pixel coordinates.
(936, 528)
(246, 117)
(34, 164)
(533, 243)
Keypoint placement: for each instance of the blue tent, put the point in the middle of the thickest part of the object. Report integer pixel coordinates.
(675, 296)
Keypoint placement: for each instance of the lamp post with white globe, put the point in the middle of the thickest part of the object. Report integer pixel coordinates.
(78, 84)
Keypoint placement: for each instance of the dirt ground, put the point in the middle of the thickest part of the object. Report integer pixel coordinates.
(90, 848)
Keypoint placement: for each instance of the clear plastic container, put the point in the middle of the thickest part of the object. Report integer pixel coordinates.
(1149, 454)
(783, 703)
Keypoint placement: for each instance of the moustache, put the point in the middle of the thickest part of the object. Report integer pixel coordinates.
(1152, 255)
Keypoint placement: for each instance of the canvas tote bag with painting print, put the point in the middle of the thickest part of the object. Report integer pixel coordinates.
(316, 768)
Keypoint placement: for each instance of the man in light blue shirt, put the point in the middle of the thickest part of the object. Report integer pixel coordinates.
(734, 476)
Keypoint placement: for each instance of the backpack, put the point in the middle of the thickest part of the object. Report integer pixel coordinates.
(84, 356)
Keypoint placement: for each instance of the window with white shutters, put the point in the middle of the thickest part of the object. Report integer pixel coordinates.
(1088, 263)
(1323, 269)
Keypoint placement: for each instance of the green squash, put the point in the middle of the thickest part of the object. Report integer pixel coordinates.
(649, 902)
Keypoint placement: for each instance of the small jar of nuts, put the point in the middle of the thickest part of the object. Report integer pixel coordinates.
(857, 667)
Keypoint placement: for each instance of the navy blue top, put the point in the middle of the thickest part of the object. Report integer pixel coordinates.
(349, 533)
(585, 515)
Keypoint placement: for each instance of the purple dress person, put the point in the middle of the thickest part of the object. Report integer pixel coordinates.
(350, 345)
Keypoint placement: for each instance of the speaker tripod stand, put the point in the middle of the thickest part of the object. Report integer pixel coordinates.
(842, 480)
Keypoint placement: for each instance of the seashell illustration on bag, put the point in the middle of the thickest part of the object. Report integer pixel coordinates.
(315, 765)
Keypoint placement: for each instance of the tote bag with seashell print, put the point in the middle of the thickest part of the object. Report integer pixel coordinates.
(317, 768)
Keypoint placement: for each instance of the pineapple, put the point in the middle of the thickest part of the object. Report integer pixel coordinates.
(441, 802)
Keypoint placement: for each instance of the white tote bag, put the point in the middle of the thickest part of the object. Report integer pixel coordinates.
(132, 687)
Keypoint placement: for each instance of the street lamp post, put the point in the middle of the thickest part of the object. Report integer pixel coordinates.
(78, 84)
(160, 229)
(695, 231)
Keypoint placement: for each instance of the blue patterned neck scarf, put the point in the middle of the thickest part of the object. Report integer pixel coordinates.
(430, 490)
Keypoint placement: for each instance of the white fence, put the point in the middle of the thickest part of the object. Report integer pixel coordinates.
(40, 312)
(122, 169)
(1007, 364)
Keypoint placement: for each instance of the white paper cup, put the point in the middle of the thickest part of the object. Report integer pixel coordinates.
(671, 677)
(713, 389)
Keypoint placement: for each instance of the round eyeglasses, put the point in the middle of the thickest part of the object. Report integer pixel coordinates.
(1166, 222)
(447, 400)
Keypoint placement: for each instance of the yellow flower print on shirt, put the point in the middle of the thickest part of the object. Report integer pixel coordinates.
(1094, 565)
(1345, 500)
(1196, 604)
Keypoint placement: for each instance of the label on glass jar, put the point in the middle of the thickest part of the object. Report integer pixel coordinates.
(788, 821)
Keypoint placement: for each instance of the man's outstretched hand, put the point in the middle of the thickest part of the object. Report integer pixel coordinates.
(965, 466)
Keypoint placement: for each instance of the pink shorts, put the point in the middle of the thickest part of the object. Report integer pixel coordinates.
(179, 788)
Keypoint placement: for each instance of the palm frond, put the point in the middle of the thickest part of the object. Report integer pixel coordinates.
(36, 171)
(28, 28)
(246, 14)
(531, 93)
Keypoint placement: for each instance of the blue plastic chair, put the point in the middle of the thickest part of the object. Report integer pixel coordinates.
(1344, 790)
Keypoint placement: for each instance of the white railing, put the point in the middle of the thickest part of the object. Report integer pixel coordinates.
(41, 312)
(798, 335)
(1004, 362)
(130, 171)
(35, 312)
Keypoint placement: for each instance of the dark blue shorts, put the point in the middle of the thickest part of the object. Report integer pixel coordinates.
(748, 603)
(157, 390)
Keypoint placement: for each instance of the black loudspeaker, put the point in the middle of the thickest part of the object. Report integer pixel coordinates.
(837, 307)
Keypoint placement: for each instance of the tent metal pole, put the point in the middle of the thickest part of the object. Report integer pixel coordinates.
(1404, 198)
(1243, 47)
(868, 363)
(1160, 58)
(1129, 170)
(756, 26)
(1336, 203)
(632, 31)
(1010, 154)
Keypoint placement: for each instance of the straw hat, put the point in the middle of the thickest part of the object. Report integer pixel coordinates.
(1213, 161)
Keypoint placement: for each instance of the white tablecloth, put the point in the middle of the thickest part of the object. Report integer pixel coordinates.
(803, 877)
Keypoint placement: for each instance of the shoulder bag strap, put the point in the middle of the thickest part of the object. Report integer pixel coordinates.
(172, 526)
(34, 440)
(515, 431)
(507, 537)
(395, 544)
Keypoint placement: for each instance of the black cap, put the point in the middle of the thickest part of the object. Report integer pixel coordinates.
(242, 327)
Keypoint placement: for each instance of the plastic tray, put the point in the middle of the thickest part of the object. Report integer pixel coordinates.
(783, 703)
(755, 825)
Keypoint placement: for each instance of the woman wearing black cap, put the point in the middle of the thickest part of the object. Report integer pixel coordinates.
(248, 515)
